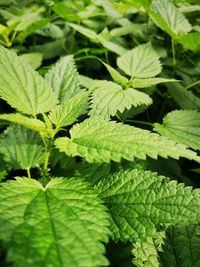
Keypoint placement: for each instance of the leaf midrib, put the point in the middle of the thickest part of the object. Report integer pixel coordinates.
(53, 230)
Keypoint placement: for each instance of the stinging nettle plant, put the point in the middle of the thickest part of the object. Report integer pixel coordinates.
(66, 221)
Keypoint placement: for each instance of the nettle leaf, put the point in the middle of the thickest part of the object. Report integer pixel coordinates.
(140, 201)
(34, 59)
(184, 98)
(93, 84)
(61, 224)
(22, 148)
(146, 253)
(109, 99)
(22, 87)
(92, 35)
(117, 77)
(98, 38)
(165, 14)
(181, 247)
(63, 78)
(34, 124)
(140, 62)
(143, 83)
(67, 113)
(191, 41)
(99, 140)
(182, 126)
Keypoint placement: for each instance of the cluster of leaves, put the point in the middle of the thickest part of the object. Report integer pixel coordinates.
(100, 133)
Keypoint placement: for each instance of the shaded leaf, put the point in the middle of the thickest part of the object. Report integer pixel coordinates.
(182, 126)
(21, 148)
(140, 201)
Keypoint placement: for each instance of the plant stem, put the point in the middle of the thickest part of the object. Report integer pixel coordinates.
(47, 144)
(173, 53)
(28, 173)
(46, 160)
(85, 57)
(140, 122)
(192, 84)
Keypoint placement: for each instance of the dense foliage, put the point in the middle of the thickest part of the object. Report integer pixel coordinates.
(99, 133)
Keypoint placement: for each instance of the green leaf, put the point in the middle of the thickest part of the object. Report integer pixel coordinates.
(184, 98)
(165, 14)
(93, 84)
(191, 41)
(98, 38)
(34, 124)
(34, 59)
(22, 148)
(63, 78)
(99, 140)
(119, 50)
(86, 32)
(140, 201)
(146, 252)
(140, 62)
(182, 126)
(67, 113)
(51, 49)
(143, 83)
(109, 99)
(22, 87)
(117, 77)
(58, 225)
(32, 29)
(181, 247)
(93, 172)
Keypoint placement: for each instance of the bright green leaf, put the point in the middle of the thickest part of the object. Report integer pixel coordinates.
(146, 252)
(143, 83)
(34, 124)
(140, 62)
(34, 59)
(117, 77)
(58, 225)
(22, 87)
(109, 99)
(67, 113)
(85, 31)
(191, 41)
(99, 140)
(165, 14)
(63, 78)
